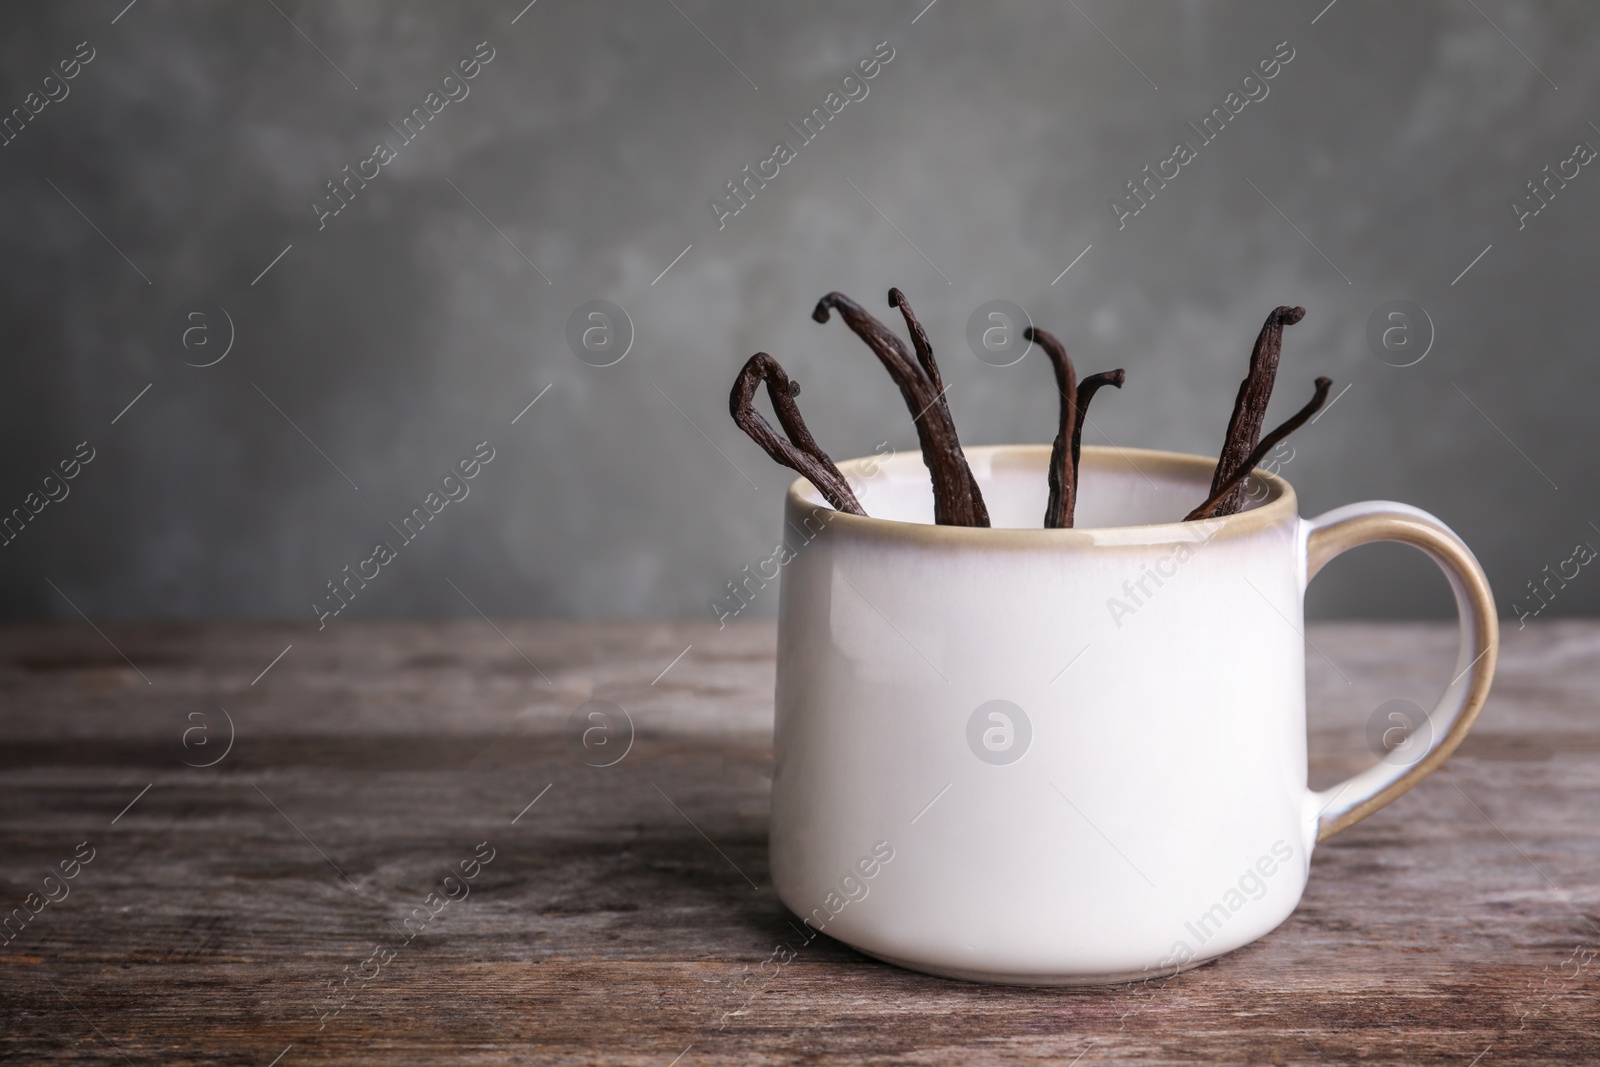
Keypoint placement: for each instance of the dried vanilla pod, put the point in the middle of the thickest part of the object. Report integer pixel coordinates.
(1086, 390)
(800, 452)
(1062, 474)
(956, 499)
(1214, 503)
(924, 350)
(1250, 407)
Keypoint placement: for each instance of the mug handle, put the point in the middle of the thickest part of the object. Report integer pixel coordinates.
(1337, 531)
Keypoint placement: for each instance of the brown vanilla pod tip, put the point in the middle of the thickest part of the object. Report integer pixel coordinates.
(1062, 475)
(976, 511)
(1250, 405)
(955, 502)
(920, 343)
(1086, 391)
(800, 452)
(832, 300)
(1215, 504)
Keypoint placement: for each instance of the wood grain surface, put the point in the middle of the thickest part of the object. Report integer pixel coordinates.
(256, 911)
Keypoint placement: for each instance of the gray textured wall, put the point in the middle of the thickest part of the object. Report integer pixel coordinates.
(187, 153)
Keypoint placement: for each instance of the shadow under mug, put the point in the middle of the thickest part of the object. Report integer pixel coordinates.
(1078, 756)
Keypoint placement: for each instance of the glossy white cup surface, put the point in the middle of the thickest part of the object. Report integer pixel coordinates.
(1042, 756)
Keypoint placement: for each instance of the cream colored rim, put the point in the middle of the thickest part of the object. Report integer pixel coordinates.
(1280, 508)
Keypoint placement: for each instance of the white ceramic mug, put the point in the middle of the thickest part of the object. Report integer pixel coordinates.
(1067, 756)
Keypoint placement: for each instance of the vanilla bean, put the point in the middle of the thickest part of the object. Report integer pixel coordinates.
(924, 350)
(1062, 475)
(1214, 503)
(1250, 407)
(800, 452)
(956, 501)
(1086, 390)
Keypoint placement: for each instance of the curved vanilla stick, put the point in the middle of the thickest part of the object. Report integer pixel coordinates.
(919, 339)
(1250, 407)
(955, 501)
(1063, 473)
(924, 350)
(1086, 390)
(800, 452)
(1213, 505)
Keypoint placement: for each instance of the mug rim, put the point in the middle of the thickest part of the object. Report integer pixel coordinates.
(1281, 506)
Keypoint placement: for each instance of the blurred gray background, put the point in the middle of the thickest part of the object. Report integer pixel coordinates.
(369, 356)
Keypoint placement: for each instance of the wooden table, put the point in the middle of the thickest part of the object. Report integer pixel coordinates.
(228, 910)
